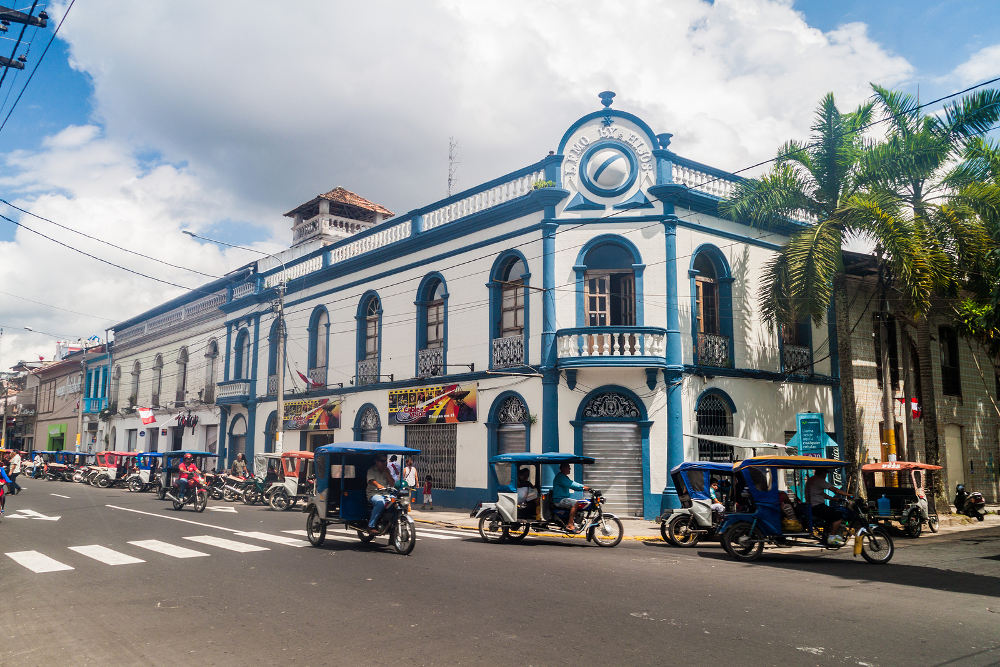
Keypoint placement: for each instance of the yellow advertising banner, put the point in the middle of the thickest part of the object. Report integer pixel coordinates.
(438, 404)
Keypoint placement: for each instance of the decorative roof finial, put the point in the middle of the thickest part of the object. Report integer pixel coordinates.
(607, 97)
(663, 139)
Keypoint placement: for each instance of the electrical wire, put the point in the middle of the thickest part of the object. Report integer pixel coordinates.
(24, 26)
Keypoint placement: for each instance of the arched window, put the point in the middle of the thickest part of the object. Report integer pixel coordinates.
(512, 426)
(182, 366)
(711, 308)
(241, 358)
(432, 299)
(508, 311)
(272, 358)
(133, 398)
(237, 437)
(369, 339)
(715, 417)
(157, 380)
(270, 427)
(609, 286)
(211, 371)
(319, 341)
(116, 383)
(368, 427)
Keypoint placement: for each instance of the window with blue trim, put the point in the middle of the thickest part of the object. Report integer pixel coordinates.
(241, 367)
(431, 344)
(319, 337)
(369, 340)
(610, 286)
(796, 348)
(712, 308)
(508, 307)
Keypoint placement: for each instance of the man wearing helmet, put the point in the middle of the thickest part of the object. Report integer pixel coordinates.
(187, 469)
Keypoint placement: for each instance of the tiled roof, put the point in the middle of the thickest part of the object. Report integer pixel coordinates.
(344, 197)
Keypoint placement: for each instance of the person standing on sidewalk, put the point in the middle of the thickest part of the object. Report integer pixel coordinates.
(410, 477)
(15, 470)
(428, 500)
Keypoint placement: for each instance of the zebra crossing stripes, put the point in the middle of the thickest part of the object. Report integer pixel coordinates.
(168, 549)
(223, 543)
(277, 539)
(106, 555)
(37, 562)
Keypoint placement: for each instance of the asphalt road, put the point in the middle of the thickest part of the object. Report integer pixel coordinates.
(456, 600)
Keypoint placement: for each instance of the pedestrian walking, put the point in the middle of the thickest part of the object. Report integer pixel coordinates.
(15, 470)
(4, 479)
(428, 499)
(394, 469)
(410, 477)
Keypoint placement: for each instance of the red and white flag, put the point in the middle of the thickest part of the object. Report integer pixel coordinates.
(310, 382)
(914, 407)
(147, 416)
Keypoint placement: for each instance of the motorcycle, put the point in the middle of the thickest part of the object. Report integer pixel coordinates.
(970, 503)
(232, 487)
(196, 495)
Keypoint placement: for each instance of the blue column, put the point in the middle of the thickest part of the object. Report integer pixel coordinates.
(550, 374)
(673, 375)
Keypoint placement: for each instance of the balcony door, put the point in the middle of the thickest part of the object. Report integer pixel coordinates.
(610, 301)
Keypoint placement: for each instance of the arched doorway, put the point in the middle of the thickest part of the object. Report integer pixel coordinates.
(237, 437)
(612, 427)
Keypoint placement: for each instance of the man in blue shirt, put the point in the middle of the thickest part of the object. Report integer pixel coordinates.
(562, 493)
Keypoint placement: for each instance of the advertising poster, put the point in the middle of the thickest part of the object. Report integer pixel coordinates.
(313, 414)
(439, 404)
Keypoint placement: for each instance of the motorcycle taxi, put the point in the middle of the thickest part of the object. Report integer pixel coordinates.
(114, 467)
(68, 463)
(297, 480)
(758, 484)
(910, 503)
(522, 504)
(265, 480)
(146, 473)
(695, 520)
(340, 497)
(170, 467)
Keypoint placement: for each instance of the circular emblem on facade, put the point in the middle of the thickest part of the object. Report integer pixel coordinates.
(608, 168)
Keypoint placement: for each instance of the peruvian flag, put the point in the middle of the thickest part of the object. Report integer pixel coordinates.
(914, 407)
(309, 382)
(147, 416)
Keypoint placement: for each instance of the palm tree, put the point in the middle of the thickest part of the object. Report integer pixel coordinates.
(813, 182)
(910, 208)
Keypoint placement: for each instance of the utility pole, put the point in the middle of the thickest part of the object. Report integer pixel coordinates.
(280, 389)
(83, 384)
(452, 163)
(8, 16)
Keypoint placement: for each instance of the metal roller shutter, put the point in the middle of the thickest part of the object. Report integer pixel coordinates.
(618, 471)
(512, 438)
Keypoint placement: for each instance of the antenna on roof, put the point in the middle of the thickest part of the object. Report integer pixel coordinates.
(453, 163)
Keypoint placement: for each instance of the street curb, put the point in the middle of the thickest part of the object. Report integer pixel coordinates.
(443, 524)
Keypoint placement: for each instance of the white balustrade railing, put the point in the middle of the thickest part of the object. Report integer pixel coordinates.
(208, 304)
(480, 201)
(612, 342)
(234, 389)
(703, 181)
(246, 289)
(379, 239)
(294, 271)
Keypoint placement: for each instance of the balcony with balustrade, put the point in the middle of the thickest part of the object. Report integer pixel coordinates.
(233, 391)
(713, 350)
(92, 406)
(796, 359)
(612, 346)
(508, 352)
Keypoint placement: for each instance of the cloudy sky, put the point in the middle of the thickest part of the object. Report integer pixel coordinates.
(150, 117)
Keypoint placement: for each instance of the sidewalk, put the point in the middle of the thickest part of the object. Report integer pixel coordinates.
(643, 530)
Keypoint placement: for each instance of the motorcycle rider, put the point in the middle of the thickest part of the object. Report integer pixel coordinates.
(187, 468)
(562, 493)
(378, 478)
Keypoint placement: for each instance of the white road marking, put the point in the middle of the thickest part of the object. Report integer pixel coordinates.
(223, 508)
(303, 533)
(223, 543)
(168, 549)
(58, 495)
(172, 518)
(32, 514)
(106, 555)
(277, 539)
(37, 562)
(349, 531)
(451, 534)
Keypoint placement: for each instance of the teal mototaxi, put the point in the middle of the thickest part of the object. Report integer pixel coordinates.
(695, 520)
(525, 505)
(769, 514)
(339, 496)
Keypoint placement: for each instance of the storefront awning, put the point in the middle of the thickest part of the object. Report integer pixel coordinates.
(733, 441)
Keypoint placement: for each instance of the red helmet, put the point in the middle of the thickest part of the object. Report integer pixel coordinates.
(188, 457)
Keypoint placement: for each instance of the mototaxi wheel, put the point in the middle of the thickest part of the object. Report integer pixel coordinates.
(403, 536)
(177, 504)
(279, 500)
(743, 542)
(933, 524)
(608, 532)
(913, 526)
(135, 485)
(229, 495)
(315, 528)
(102, 481)
(877, 546)
(201, 500)
(251, 496)
(679, 529)
(492, 528)
(161, 493)
(518, 531)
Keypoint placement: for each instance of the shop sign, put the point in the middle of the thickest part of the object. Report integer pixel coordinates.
(438, 404)
(313, 414)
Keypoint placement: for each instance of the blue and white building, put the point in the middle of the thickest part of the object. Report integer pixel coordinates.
(593, 301)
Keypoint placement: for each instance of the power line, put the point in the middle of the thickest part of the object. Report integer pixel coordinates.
(24, 26)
